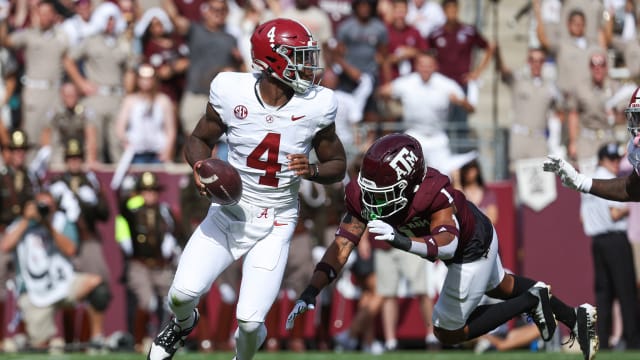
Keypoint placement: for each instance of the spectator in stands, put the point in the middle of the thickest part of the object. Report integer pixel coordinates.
(404, 43)
(108, 63)
(362, 43)
(146, 122)
(605, 222)
(70, 121)
(148, 235)
(86, 189)
(590, 119)
(17, 186)
(43, 240)
(44, 47)
(473, 186)
(8, 85)
(78, 27)
(162, 49)
(533, 99)
(426, 97)
(454, 43)
(551, 17)
(338, 11)
(316, 20)
(572, 52)
(425, 15)
(211, 50)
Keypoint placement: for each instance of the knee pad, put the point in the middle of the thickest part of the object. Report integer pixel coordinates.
(249, 326)
(178, 299)
(100, 297)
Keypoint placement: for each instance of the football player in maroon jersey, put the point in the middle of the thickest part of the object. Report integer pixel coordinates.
(397, 199)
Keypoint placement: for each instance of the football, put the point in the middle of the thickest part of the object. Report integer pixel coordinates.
(221, 180)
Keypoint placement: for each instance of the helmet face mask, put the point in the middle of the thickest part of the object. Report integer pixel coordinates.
(302, 66)
(286, 50)
(633, 120)
(632, 113)
(382, 202)
(391, 172)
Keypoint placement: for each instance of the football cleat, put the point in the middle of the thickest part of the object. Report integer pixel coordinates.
(585, 330)
(542, 314)
(170, 339)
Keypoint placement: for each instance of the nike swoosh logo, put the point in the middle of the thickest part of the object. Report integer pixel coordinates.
(295, 118)
(276, 223)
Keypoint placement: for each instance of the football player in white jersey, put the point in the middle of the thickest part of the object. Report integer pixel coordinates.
(272, 119)
(625, 188)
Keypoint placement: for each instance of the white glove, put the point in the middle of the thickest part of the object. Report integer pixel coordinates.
(87, 195)
(569, 176)
(381, 229)
(298, 309)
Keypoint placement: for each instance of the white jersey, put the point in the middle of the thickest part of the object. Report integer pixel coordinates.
(261, 136)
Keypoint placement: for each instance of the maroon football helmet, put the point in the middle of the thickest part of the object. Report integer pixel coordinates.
(392, 170)
(633, 114)
(285, 49)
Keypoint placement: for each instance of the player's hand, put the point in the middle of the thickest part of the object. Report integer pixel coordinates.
(380, 230)
(299, 164)
(299, 308)
(196, 177)
(569, 176)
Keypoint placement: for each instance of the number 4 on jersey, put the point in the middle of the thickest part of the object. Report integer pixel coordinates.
(270, 145)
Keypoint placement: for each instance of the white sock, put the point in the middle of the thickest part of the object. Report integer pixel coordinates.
(248, 342)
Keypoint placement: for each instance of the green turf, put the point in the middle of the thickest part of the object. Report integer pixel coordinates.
(401, 355)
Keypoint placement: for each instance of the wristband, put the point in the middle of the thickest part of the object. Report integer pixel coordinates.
(586, 184)
(314, 171)
(401, 242)
(432, 248)
(309, 295)
(327, 270)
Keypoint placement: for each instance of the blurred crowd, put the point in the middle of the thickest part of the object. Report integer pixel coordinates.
(89, 86)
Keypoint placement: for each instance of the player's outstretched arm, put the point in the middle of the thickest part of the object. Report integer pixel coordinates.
(336, 255)
(619, 189)
(204, 137)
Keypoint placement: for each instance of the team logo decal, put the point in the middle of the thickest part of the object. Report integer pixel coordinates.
(269, 119)
(240, 112)
(404, 162)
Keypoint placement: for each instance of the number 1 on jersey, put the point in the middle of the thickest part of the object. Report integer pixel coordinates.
(270, 145)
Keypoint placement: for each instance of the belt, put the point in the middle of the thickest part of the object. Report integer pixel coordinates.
(40, 84)
(106, 90)
(527, 131)
(595, 134)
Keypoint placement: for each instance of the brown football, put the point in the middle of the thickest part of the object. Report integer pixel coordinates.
(221, 180)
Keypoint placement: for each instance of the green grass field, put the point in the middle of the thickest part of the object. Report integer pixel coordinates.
(401, 355)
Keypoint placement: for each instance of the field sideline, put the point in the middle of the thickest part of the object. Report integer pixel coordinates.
(400, 355)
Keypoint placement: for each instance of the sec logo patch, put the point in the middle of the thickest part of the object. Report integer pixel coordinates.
(240, 112)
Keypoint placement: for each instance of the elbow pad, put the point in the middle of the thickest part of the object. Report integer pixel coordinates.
(446, 252)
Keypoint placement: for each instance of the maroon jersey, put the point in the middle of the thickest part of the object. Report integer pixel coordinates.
(162, 52)
(454, 49)
(434, 194)
(410, 37)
